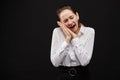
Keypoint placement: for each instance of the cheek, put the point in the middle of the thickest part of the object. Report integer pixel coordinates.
(76, 20)
(65, 24)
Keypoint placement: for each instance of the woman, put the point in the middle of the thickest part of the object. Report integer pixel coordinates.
(72, 45)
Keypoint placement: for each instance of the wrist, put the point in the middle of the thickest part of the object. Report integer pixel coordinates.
(68, 39)
(74, 36)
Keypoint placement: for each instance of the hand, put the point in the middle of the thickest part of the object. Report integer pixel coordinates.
(72, 33)
(65, 31)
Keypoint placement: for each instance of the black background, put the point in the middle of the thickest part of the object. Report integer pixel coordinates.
(26, 31)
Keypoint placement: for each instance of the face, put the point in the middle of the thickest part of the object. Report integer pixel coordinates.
(69, 19)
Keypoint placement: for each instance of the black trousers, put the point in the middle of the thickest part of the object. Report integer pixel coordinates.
(73, 73)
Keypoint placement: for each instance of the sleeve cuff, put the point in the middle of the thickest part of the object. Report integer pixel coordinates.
(64, 45)
(75, 41)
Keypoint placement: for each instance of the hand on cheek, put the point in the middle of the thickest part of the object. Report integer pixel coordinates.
(72, 33)
(65, 31)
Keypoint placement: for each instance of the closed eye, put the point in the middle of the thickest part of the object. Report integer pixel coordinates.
(71, 17)
(65, 20)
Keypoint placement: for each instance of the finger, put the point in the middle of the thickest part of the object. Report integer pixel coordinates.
(69, 30)
(58, 22)
(64, 28)
(72, 33)
(61, 26)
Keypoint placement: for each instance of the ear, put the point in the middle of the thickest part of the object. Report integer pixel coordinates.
(77, 15)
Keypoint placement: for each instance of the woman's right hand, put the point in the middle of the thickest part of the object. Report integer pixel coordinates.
(65, 31)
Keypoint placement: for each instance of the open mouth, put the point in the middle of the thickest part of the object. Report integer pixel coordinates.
(72, 26)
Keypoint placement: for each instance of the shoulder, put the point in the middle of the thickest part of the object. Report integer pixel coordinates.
(56, 30)
(89, 29)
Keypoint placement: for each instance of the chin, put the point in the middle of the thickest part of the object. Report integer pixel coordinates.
(74, 30)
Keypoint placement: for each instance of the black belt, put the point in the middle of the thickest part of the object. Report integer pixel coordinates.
(72, 71)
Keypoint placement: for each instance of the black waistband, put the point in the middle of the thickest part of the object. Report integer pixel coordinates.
(74, 70)
(76, 67)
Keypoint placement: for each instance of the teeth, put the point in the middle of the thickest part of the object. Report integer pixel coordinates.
(72, 26)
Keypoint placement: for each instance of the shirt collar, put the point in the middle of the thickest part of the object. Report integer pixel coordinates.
(81, 30)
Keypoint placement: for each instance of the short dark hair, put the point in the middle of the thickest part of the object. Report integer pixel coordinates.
(60, 9)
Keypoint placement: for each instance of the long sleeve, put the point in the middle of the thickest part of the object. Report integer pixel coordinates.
(58, 48)
(83, 46)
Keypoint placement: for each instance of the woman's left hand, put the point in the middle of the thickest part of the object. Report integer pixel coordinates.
(72, 33)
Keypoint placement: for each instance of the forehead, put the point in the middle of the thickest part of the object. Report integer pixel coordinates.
(66, 13)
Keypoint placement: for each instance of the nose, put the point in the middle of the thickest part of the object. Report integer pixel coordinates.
(70, 22)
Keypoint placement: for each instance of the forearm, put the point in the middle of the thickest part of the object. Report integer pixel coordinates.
(58, 55)
(82, 55)
(83, 48)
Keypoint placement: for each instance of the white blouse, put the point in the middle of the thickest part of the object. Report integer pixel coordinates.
(77, 52)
